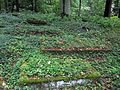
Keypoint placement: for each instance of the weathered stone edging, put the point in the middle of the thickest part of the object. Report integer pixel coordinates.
(24, 80)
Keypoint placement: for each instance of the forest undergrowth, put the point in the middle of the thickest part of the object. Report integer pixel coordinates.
(49, 46)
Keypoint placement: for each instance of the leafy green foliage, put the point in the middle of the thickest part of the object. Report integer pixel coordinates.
(20, 48)
(43, 66)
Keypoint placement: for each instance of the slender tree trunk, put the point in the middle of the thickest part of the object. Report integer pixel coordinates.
(12, 7)
(35, 5)
(79, 8)
(119, 13)
(65, 7)
(108, 8)
(32, 3)
(62, 3)
(17, 5)
(0, 6)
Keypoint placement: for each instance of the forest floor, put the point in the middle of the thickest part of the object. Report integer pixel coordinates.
(37, 48)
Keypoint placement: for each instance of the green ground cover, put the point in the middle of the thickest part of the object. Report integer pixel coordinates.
(21, 45)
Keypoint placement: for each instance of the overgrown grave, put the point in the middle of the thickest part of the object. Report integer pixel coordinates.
(107, 80)
(29, 79)
(57, 42)
(57, 71)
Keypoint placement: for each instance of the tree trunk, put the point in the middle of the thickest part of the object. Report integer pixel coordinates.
(79, 8)
(12, 7)
(119, 13)
(0, 7)
(34, 5)
(65, 7)
(17, 5)
(108, 8)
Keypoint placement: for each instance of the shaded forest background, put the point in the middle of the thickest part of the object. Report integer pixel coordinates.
(77, 7)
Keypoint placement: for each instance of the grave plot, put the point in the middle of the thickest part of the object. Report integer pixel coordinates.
(44, 69)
